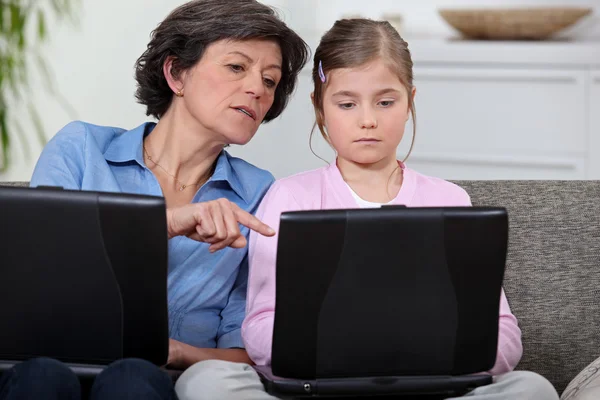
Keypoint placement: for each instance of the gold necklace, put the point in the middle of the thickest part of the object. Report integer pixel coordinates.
(182, 185)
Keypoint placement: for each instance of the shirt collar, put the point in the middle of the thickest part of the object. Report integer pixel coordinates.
(127, 146)
(224, 171)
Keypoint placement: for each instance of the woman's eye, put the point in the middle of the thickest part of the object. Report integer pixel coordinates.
(270, 83)
(236, 68)
(386, 103)
(346, 106)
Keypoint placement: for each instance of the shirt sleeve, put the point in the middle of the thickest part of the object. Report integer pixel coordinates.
(510, 348)
(257, 329)
(62, 161)
(229, 333)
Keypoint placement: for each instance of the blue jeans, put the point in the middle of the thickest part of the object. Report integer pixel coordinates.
(48, 379)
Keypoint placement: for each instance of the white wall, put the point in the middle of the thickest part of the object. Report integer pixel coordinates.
(421, 17)
(282, 147)
(93, 63)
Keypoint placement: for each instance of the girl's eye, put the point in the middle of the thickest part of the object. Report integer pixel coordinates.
(236, 68)
(386, 103)
(346, 106)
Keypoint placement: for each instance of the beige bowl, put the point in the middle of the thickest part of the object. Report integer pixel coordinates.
(513, 23)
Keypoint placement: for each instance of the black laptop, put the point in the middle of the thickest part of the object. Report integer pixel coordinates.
(389, 301)
(83, 277)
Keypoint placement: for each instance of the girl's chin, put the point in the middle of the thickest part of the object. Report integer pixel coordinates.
(367, 159)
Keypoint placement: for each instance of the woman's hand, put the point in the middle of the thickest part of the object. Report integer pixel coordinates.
(175, 359)
(215, 222)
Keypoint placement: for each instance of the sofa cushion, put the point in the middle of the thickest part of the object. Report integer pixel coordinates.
(552, 279)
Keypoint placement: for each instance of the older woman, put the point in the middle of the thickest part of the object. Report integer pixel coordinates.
(213, 71)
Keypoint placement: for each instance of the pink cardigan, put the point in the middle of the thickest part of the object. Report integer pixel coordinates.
(325, 188)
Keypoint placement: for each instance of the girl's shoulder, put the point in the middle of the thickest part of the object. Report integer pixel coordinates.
(437, 191)
(303, 188)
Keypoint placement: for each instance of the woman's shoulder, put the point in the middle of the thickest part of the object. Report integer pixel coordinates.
(254, 181)
(80, 134)
(67, 155)
(246, 170)
(439, 190)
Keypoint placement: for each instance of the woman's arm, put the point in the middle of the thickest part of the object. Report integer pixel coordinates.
(182, 356)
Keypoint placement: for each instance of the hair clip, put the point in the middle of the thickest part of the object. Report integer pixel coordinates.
(321, 74)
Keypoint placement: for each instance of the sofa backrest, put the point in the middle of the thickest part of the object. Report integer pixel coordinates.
(552, 279)
(24, 184)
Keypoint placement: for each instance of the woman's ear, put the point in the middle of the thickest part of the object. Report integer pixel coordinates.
(174, 82)
(413, 93)
(312, 98)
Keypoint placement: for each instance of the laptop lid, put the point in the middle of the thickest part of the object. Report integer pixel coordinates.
(83, 276)
(388, 292)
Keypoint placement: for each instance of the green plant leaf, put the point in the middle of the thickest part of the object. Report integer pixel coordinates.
(2, 25)
(5, 139)
(16, 25)
(41, 25)
(13, 80)
(2, 68)
(23, 26)
(21, 71)
(15, 11)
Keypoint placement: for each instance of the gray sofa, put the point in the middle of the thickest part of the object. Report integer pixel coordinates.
(552, 279)
(553, 270)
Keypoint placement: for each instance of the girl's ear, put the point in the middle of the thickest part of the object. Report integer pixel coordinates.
(318, 114)
(413, 93)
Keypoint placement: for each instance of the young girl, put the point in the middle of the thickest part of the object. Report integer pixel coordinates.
(363, 97)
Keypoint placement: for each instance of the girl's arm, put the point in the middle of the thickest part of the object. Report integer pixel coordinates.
(510, 347)
(257, 328)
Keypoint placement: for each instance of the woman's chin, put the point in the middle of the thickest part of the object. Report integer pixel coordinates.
(239, 138)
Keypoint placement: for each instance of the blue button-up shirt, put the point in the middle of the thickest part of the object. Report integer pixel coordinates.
(207, 292)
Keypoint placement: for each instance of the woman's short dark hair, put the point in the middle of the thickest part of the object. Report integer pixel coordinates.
(189, 29)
